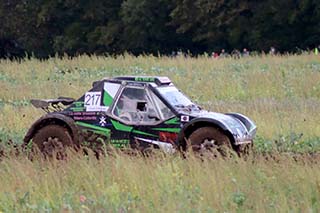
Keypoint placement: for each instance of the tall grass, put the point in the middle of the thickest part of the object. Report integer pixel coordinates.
(122, 183)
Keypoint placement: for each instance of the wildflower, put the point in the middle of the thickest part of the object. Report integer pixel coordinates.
(82, 198)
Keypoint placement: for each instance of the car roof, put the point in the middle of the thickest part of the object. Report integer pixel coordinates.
(159, 80)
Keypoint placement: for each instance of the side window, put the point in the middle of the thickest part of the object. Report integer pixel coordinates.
(165, 111)
(135, 106)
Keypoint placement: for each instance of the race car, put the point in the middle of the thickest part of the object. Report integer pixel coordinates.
(136, 112)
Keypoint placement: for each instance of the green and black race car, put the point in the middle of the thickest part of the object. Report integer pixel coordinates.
(136, 112)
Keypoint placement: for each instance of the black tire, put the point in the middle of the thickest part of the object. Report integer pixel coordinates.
(209, 140)
(52, 141)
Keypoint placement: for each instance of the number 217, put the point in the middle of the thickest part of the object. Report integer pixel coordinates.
(92, 98)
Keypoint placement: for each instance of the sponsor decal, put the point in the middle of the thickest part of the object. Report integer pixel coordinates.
(146, 79)
(119, 143)
(84, 116)
(77, 106)
(77, 109)
(184, 118)
(102, 121)
(97, 108)
(83, 113)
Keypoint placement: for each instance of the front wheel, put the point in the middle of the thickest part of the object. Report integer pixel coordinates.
(209, 140)
(245, 150)
(52, 141)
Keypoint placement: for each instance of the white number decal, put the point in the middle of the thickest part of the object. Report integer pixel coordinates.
(92, 99)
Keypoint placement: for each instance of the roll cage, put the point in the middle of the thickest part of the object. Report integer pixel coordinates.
(152, 94)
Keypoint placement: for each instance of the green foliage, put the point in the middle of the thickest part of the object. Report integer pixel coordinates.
(285, 24)
(145, 26)
(47, 27)
(208, 21)
(239, 198)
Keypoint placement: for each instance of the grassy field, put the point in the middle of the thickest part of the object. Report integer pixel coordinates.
(280, 93)
(160, 184)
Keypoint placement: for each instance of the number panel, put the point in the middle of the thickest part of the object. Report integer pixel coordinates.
(92, 99)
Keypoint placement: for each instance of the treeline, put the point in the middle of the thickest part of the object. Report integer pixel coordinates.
(48, 27)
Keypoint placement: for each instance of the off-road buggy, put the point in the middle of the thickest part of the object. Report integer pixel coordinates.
(136, 112)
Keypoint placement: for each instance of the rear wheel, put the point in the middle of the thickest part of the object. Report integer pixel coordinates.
(210, 141)
(52, 141)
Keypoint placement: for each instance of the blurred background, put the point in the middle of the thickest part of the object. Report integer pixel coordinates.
(44, 28)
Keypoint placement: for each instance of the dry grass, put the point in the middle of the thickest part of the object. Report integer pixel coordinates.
(124, 183)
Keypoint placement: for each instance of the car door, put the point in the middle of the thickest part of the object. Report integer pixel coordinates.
(124, 113)
(139, 112)
(156, 125)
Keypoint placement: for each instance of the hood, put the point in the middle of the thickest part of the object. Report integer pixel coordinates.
(227, 120)
(230, 122)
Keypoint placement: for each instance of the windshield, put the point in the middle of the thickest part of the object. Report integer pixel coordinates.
(174, 96)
